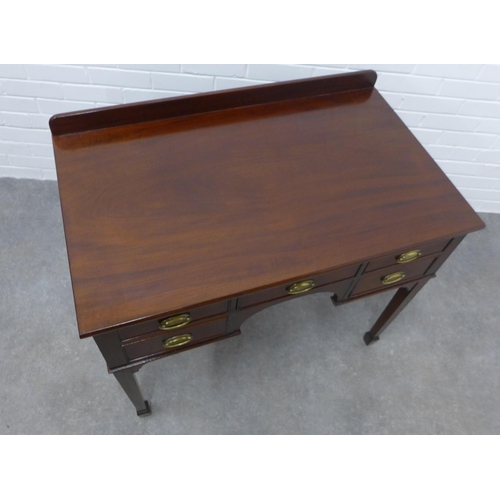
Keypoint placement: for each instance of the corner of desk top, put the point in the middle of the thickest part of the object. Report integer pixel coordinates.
(159, 109)
(481, 224)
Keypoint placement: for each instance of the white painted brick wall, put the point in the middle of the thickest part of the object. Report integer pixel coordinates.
(453, 110)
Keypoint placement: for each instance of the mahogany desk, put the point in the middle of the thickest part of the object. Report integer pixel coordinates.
(185, 216)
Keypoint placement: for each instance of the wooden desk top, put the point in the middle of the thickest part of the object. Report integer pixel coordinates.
(165, 207)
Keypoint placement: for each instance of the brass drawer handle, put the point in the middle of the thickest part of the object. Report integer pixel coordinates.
(301, 287)
(177, 341)
(175, 322)
(393, 278)
(409, 256)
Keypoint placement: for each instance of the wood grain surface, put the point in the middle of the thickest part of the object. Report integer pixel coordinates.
(166, 214)
(132, 114)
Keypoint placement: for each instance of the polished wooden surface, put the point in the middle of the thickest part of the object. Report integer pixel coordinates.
(373, 280)
(196, 315)
(154, 345)
(283, 290)
(165, 211)
(390, 260)
(132, 114)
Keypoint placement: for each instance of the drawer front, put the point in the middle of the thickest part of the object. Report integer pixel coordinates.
(339, 288)
(383, 278)
(296, 288)
(174, 322)
(175, 341)
(411, 254)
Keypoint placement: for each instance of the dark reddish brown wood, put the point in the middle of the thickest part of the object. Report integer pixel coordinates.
(379, 290)
(337, 289)
(430, 273)
(110, 346)
(212, 204)
(131, 114)
(337, 299)
(175, 213)
(401, 298)
(197, 315)
(390, 260)
(373, 280)
(232, 323)
(282, 290)
(128, 382)
(154, 345)
(452, 245)
(137, 364)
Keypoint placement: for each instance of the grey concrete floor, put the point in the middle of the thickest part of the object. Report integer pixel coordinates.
(300, 367)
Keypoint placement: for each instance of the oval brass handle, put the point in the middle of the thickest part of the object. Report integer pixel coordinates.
(393, 278)
(301, 287)
(175, 322)
(177, 341)
(409, 256)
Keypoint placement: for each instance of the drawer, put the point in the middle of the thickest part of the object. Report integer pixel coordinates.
(174, 322)
(410, 253)
(302, 286)
(175, 341)
(339, 289)
(374, 280)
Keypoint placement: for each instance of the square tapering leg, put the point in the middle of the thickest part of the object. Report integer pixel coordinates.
(398, 302)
